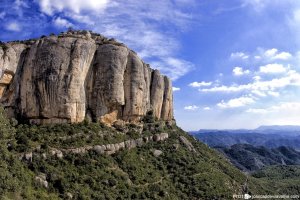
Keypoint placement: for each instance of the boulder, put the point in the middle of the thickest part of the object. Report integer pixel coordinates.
(157, 153)
(187, 143)
(41, 179)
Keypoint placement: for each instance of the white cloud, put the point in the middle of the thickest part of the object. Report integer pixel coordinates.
(85, 19)
(274, 54)
(256, 78)
(274, 94)
(62, 23)
(237, 102)
(157, 45)
(224, 88)
(270, 52)
(176, 89)
(13, 26)
(192, 107)
(200, 84)
(238, 71)
(261, 88)
(2, 15)
(206, 108)
(290, 108)
(147, 27)
(256, 110)
(173, 67)
(283, 56)
(76, 6)
(272, 68)
(239, 55)
(286, 107)
(259, 93)
(267, 55)
(257, 57)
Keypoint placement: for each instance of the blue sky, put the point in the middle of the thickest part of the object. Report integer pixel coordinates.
(234, 63)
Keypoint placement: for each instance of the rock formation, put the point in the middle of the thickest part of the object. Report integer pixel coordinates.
(79, 74)
(107, 149)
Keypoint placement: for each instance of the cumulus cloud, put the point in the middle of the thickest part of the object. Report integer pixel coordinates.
(13, 26)
(274, 54)
(270, 52)
(200, 84)
(60, 22)
(176, 89)
(272, 68)
(259, 93)
(51, 7)
(191, 108)
(237, 102)
(261, 88)
(262, 54)
(238, 71)
(256, 78)
(239, 55)
(274, 94)
(282, 107)
(206, 108)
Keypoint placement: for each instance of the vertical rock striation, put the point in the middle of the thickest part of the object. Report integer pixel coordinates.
(68, 77)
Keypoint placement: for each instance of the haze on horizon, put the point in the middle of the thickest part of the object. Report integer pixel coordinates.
(234, 64)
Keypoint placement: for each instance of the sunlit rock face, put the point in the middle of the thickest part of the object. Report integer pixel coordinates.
(75, 75)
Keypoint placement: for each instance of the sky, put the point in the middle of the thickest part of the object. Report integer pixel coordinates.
(234, 63)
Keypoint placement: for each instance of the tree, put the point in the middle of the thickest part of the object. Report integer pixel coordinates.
(6, 129)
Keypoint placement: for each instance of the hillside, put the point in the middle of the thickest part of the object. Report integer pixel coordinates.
(250, 158)
(176, 167)
(280, 178)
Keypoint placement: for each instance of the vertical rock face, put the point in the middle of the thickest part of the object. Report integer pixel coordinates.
(68, 77)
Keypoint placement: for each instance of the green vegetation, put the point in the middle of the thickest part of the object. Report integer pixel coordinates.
(177, 173)
(281, 179)
(16, 180)
(252, 158)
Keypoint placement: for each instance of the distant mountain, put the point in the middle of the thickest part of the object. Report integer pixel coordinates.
(230, 137)
(273, 129)
(279, 128)
(250, 158)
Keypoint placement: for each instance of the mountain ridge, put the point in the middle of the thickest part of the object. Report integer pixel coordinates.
(260, 129)
(250, 158)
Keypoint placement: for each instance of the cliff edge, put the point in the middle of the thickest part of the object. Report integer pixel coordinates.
(77, 75)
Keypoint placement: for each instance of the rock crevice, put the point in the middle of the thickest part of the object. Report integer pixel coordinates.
(68, 77)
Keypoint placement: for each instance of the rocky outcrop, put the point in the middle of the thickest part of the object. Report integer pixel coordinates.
(78, 75)
(107, 149)
(41, 179)
(187, 143)
(157, 153)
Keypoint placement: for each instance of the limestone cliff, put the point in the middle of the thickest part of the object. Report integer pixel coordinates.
(79, 74)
